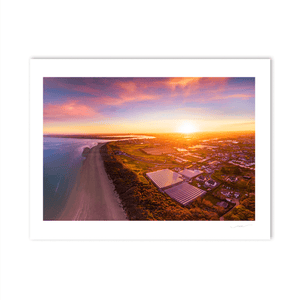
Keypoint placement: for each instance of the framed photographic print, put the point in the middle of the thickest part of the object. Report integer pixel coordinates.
(118, 143)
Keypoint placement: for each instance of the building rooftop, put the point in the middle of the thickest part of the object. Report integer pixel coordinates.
(190, 173)
(184, 193)
(223, 204)
(164, 178)
(210, 183)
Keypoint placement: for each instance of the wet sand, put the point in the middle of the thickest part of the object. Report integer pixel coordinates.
(93, 196)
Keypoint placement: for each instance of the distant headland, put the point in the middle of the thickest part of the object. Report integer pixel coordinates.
(95, 136)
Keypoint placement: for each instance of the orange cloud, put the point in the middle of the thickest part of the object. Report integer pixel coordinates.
(128, 97)
(143, 90)
(118, 91)
(68, 110)
(240, 96)
(182, 82)
(191, 85)
(127, 86)
(130, 92)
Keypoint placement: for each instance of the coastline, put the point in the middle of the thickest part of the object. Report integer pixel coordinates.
(93, 196)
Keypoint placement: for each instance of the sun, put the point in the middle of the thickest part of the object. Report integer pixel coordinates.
(186, 127)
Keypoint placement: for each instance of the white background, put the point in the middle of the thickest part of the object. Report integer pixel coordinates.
(258, 68)
(149, 270)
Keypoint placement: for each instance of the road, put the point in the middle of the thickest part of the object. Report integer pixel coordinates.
(93, 196)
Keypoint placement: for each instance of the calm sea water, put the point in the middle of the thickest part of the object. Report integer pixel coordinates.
(62, 161)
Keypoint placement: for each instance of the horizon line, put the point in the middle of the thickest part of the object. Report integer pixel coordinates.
(131, 133)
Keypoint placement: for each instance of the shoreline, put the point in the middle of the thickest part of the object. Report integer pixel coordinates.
(93, 196)
(100, 137)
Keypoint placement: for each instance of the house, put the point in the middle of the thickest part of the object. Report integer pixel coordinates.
(189, 174)
(181, 160)
(200, 178)
(210, 183)
(213, 163)
(223, 204)
(236, 194)
(226, 194)
(232, 178)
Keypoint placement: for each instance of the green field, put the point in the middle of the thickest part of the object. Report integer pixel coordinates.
(138, 167)
(214, 200)
(136, 150)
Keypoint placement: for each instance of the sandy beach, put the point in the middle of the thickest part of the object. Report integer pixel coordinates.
(93, 196)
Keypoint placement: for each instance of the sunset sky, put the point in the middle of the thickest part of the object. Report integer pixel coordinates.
(148, 105)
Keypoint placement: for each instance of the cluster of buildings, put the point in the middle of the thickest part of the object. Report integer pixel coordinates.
(243, 164)
(181, 160)
(230, 194)
(199, 162)
(176, 184)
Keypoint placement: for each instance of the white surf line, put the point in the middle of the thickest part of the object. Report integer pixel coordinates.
(79, 211)
(87, 210)
(83, 213)
(57, 186)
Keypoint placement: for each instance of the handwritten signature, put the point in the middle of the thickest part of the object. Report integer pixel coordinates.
(236, 226)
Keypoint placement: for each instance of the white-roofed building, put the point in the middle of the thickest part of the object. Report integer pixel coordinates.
(211, 183)
(190, 173)
(184, 193)
(164, 178)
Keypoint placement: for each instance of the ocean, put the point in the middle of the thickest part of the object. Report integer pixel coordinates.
(61, 164)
